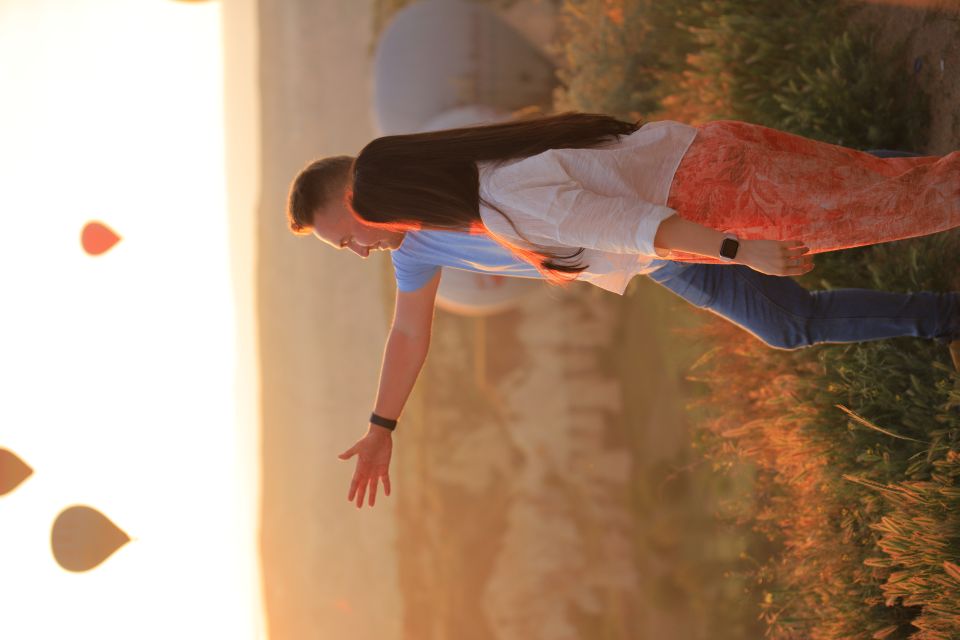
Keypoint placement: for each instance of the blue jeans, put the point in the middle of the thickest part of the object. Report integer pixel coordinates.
(784, 315)
(777, 310)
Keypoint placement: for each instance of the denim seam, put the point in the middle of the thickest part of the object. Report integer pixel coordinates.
(739, 274)
(795, 315)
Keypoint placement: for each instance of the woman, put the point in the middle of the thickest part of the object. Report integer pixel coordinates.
(730, 206)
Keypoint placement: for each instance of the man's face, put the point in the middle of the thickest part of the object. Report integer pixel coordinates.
(334, 225)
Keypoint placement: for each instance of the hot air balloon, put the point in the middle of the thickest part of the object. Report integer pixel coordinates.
(82, 538)
(437, 55)
(442, 64)
(97, 238)
(13, 471)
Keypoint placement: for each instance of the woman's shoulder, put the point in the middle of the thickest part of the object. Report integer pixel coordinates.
(553, 165)
(659, 129)
(518, 173)
(488, 167)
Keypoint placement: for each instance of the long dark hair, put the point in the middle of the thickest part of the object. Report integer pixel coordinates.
(430, 180)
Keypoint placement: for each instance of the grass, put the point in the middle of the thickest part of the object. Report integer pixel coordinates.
(831, 471)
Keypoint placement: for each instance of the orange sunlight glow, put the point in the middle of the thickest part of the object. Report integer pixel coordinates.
(119, 363)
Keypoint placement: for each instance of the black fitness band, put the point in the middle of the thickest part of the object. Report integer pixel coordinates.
(383, 422)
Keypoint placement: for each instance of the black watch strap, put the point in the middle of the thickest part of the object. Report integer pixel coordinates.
(383, 422)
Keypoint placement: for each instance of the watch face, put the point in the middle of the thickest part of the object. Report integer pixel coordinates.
(728, 249)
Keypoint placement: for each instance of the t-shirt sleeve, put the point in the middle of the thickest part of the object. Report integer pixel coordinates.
(608, 223)
(411, 273)
(552, 206)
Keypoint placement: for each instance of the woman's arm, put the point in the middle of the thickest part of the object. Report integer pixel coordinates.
(568, 215)
(773, 257)
(676, 233)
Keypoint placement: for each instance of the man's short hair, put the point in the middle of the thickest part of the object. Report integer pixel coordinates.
(313, 187)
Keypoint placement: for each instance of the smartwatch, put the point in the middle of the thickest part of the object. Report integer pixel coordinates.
(729, 247)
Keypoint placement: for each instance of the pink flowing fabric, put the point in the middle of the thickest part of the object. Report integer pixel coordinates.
(761, 183)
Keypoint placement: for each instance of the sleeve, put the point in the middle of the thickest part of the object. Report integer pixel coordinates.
(410, 273)
(553, 207)
(608, 223)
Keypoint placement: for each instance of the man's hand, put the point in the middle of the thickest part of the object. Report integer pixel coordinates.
(374, 462)
(775, 257)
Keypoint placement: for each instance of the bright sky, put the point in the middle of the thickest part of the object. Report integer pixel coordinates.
(117, 372)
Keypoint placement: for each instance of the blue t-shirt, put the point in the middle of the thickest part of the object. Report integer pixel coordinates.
(423, 252)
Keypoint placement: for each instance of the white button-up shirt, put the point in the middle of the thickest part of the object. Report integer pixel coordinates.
(609, 200)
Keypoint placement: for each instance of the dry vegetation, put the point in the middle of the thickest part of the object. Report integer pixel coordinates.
(851, 519)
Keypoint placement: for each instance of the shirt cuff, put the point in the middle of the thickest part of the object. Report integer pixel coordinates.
(647, 229)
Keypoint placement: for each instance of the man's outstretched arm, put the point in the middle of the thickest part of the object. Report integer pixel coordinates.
(403, 357)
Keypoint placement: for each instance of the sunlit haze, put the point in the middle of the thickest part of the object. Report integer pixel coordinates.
(118, 369)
